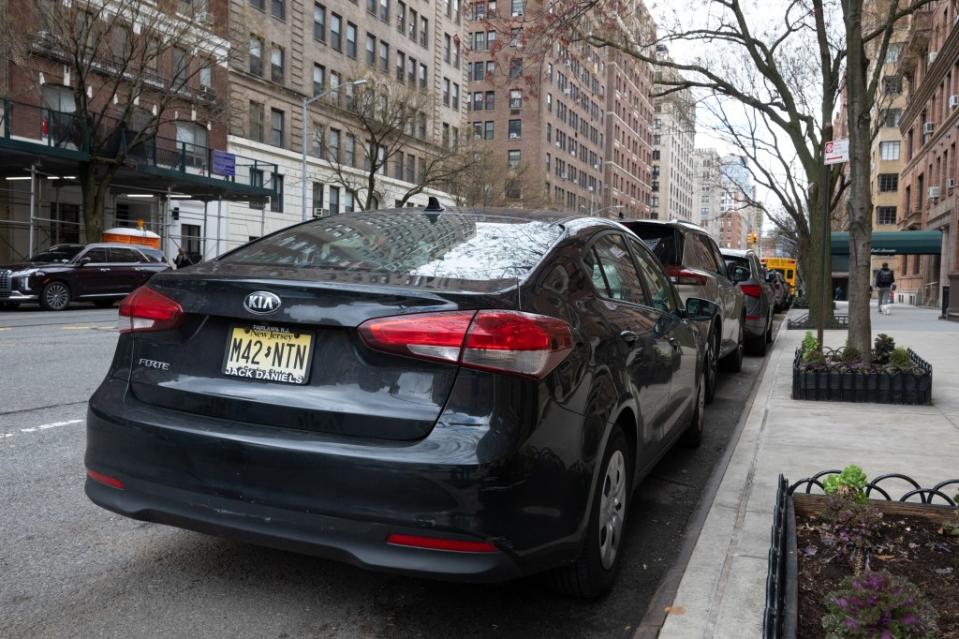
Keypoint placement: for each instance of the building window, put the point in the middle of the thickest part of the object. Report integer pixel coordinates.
(278, 9)
(351, 40)
(276, 64)
(401, 17)
(276, 127)
(892, 85)
(446, 91)
(319, 79)
(516, 129)
(490, 100)
(333, 145)
(256, 121)
(422, 76)
(891, 118)
(334, 200)
(889, 150)
(515, 99)
(517, 7)
(892, 52)
(424, 32)
(456, 97)
(447, 47)
(488, 130)
(336, 26)
(512, 159)
(885, 215)
(206, 75)
(370, 50)
(398, 166)
(319, 22)
(385, 10)
(348, 202)
(888, 182)
(317, 198)
(191, 241)
(384, 57)
(413, 23)
(349, 150)
(181, 65)
(410, 168)
(515, 67)
(258, 4)
(256, 55)
(276, 201)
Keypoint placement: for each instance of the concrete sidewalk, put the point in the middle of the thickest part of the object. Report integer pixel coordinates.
(722, 591)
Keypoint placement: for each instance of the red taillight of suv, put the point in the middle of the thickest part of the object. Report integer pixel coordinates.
(679, 275)
(149, 310)
(500, 341)
(752, 290)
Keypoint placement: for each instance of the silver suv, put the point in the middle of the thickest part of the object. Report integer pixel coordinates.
(693, 262)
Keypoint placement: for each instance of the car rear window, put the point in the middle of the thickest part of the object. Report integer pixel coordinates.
(661, 240)
(732, 261)
(414, 244)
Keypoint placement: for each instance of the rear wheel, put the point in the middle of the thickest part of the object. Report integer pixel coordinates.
(55, 296)
(734, 361)
(592, 573)
(693, 435)
(757, 343)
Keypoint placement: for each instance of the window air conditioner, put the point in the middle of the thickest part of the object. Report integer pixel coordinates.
(933, 192)
(932, 56)
(320, 212)
(951, 183)
(514, 136)
(953, 101)
(928, 128)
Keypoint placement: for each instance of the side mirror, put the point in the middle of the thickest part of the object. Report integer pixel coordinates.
(770, 278)
(700, 310)
(741, 274)
(83, 261)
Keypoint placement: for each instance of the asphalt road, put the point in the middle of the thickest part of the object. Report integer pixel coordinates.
(70, 569)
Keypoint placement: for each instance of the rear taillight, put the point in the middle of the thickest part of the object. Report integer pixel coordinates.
(440, 543)
(106, 480)
(500, 341)
(681, 276)
(149, 310)
(752, 290)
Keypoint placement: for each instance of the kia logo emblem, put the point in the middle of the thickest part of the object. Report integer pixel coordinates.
(261, 302)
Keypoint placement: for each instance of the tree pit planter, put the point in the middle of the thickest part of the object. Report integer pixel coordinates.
(835, 382)
(799, 576)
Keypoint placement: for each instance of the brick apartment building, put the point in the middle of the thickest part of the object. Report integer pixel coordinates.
(286, 51)
(42, 142)
(929, 67)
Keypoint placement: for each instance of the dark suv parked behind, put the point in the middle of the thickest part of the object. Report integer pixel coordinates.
(100, 273)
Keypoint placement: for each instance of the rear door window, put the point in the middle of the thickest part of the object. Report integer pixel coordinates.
(123, 255)
(660, 290)
(612, 264)
(97, 255)
(661, 240)
(697, 255)
(716, 258)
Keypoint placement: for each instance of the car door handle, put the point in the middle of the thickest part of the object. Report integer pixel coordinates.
(104, 270)
(629, 337)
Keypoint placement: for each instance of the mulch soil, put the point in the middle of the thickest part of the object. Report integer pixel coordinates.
(909, 547)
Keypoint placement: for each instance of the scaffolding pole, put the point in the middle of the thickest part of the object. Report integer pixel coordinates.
(33, 205)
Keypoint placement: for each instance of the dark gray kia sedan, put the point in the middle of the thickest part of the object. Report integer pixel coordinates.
(457, 394)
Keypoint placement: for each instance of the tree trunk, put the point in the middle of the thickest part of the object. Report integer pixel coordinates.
(815, 263)
(92, 203)
(860, 195)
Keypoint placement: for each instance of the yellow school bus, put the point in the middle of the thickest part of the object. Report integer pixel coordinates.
(785, 265)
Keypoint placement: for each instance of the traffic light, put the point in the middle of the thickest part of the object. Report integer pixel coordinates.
(752, 238)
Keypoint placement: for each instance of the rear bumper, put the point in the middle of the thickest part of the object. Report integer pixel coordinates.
(339, 498)
(362, 544)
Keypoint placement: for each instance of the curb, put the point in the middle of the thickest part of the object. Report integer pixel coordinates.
(655, 616)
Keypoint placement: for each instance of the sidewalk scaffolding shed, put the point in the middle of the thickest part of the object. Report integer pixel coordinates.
(140, 237)
(887, 243)
(41, 151)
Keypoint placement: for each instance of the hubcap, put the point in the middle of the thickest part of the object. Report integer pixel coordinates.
(57, 296)
(612, 509)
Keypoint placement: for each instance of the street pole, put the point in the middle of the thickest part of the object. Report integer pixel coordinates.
(826, 277)
(305, 128)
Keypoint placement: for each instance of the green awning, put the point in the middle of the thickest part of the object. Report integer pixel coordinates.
(894, 243)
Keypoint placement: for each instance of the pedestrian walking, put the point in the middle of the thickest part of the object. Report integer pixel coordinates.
(838, 293)
(182, 260)
(884, 282)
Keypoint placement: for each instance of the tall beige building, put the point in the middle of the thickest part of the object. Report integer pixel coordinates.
(707, 189)
(286, 51)
(674, 130)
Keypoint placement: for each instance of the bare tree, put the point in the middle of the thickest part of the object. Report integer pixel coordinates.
(393, 140)
(131, 66)
(493, 183)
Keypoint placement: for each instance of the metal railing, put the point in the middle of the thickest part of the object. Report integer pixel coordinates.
(108, 137)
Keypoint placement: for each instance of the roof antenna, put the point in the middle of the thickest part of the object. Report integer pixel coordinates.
(433, 205)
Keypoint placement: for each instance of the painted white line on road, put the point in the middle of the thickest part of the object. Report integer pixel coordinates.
(50, 425)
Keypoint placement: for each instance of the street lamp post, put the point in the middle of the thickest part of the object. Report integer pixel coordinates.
(306, 103)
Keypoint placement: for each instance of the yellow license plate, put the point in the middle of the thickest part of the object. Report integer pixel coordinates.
(269, 354)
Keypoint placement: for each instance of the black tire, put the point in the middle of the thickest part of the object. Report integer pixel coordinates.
(692, 437)
(734, 361)
(769, 329)
(104, 303)
(55, 296)
(9, 306)
(590, 575)
(756, 344)
(712, 363)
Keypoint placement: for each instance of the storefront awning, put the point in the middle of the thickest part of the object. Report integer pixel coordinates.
(893, 243)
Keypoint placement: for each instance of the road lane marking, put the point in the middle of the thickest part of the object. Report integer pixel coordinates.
(35, 429)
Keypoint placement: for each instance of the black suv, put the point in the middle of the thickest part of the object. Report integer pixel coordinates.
(99, 273)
